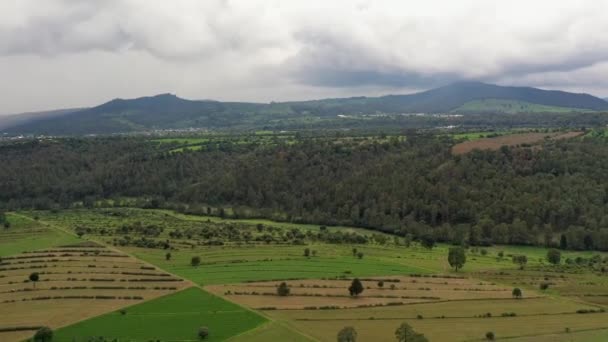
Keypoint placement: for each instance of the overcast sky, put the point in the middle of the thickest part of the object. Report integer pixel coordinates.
(69, 53)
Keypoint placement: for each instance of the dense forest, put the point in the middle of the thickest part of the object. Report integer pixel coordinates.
(555, 194)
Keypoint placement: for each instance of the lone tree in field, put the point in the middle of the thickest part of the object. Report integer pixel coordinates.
(554, 256)
(203, 332)
(44, 334)
(307, 252)
(283, 290)
(354, 252)
(521, 260)
(355, 288)
(490, 336)
(195, 261)
(381, 284)
(360, 255)
(517, 293)
(168, 256)
(405, 333)
(457, 257)
(347, 334)
(34, 277)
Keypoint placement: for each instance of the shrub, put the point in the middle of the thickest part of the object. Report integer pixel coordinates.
(44, 334)
(517, 293)
(203, 332)
(347, 334)
(195, 261)
(283, 290)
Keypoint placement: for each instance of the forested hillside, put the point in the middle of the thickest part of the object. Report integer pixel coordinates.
(168, 111)
(411, 186)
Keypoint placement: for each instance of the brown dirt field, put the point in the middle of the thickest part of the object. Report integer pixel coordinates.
(335, 292)
(510, 140)
(61, 312)
(298, 302)
(455, 329)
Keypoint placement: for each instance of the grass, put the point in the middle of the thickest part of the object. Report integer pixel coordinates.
(75, 283)
(271, 331)
(222, 265)
(457, 329)
(26, 234)
(175, 317)
(512, 107)
(572, 287)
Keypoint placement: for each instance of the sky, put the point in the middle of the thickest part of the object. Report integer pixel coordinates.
(72, 53)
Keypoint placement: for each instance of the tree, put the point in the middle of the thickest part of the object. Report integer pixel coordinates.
(427, 241)
(554, 256)
(203, 332)
(354, 252)
(563, 242)
(405, 333)
(360, 255)
(543, 286)
(34, 277)
(380, 284)
(517, 293)
(490, 336)
(283, 290)
(168, 256)
(44, 334)
(307, 252)
(195, 261)
(355, 288)
(521, 260)
(457, 257)
(347, 334)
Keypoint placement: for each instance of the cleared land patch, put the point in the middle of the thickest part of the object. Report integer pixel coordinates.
(27, 234)
(176, 317)
(332, 294)
(510, 140)
(75, 282)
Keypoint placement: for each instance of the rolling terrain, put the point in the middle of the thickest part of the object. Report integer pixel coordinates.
(167, 111)
(233, 291)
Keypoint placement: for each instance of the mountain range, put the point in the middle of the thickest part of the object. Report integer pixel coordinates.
(167, 111)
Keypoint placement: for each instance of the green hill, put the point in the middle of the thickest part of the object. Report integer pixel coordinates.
(168, 111)
(512, 107)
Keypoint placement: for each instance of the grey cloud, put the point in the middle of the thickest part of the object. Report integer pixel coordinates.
(256, 49)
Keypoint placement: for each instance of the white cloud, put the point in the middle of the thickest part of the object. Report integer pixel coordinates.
(58, 53)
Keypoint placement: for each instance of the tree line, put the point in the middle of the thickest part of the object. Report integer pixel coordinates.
(555, 196)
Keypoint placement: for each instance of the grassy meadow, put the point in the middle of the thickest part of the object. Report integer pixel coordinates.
(25, 234)
(175, 317)
(240, 275)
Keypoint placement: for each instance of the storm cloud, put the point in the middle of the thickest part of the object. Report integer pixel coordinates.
(66, 53)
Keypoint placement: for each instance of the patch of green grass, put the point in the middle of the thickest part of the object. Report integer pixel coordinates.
(272, 331)
(175, 317)
(26, 234)
(221, 265)
(512, 107)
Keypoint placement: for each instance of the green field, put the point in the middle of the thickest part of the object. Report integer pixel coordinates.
(512, 107)
(175, 317)
(26, 234)
(541, 315)
(238, 264)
